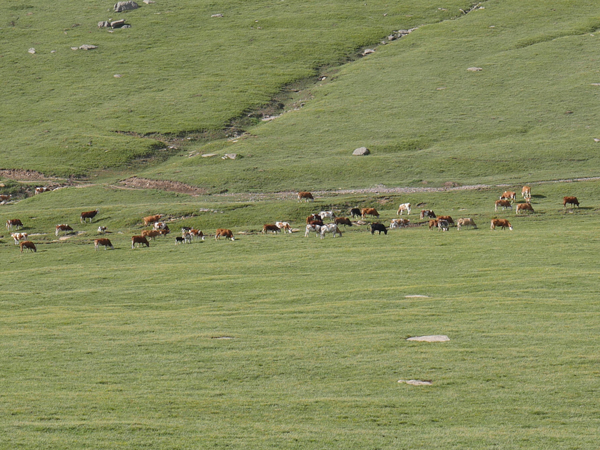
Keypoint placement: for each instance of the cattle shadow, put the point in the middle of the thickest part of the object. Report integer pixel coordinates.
(538, 196)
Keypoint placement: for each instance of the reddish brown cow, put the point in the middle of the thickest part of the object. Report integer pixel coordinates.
(5, 198)
(504, 204)
(13, 223)
(509, 195)
(502, 223)
(570, 201)
(103, 241)
(524, 207)
(27, 244)
(427, 213)
(313, 217)
(222, 232)
(62, 227)
(433, 223)
(369, 212)
(270, 227)
(447, 218)
(88, 215)
(151, 233)
(139, 240)
(343, 221)
(306, 196)
(151, 219)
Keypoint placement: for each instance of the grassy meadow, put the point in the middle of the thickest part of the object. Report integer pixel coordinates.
(282, 341)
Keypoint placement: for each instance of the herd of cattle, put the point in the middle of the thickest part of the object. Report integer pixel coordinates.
(315, 223)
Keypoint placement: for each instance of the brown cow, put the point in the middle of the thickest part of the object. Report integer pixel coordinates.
(447, 218)
(433, 223)
(503, 223)
(343, 221)
(427, 213)
(270, 227)
(509, 195)
(62, 227)
(28, 244)
(305, 195)
(399, 223)
(504, 204)
(88, 215)
(369, 212)
(524, 207)
(5, 198)
(140, 240)
(570, 201)
(151, 233)
(151, 219)
(466, 221)
(222, 232)
(103, 241)
(13, 223)
(312, 217)
(526, 193)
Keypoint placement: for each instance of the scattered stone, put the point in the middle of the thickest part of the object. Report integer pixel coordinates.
(361, 151)
(103, 24)
(52, 51)
(87, 47)
(417, 382)
(474, 69)
(368, 51)
(596, 140)
(74, 48)
(416, 296)
(209, 155)
(595, 84)
(229, 156)
(147, 2)
(31, 50)
(126, 6)
(118, 23)
(117, 75)
(433, 338)
(217, 15)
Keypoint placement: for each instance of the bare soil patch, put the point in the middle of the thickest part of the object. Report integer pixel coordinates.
(165, 185)
(25, 175)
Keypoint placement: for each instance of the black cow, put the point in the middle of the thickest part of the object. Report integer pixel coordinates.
(379, 227)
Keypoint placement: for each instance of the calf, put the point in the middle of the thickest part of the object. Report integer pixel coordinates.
(379, 227)
(570, 201)
(502, 223)
(509, 195)
(101, 229)
(270, 227)
(18, 237)
(151, 219)
(443, 225)
(13, 223)
(285, 226)
(467, 221)
(222, 232)
(524, 207)
(104, 242)
(399, 223)
(139, 240)
(504, 204)
(355, 212)
(88, 215)
(330, 228)
(369, 212)
(305, 196)
(313, 227)
(27, 244)
(62, 227)
(403, 207)
(427, 213)
(343, 221)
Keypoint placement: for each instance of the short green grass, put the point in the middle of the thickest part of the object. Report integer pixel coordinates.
(291, 342)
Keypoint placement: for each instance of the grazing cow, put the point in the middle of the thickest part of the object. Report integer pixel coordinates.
(139, 240)
(197, 234)
(526, 193)
(18, 237)
(379, 227)
(306, 196)
(312, 218)
(13, 223)
(502, 223)
(179, 240)
(467, 221)
(327, 215)
(504, 204)
(433, 223)
(270, 227)
(343, 221)
(39, 190)
(62, 227)
(5, 198)
(355, 212)
(509, 195)
(443, 225)
(447, 218)
(88, 215)
(151, 233)
(104, 242)
(285, 226)
(570, 201)
(313, 227)
(399, 223)
(27, 244)
(101, 229)
(403, 207)
(185, 238)
(330, 228)
(369, 212)
(151, 219)
(427, 213)
(160, 226)
(222, 232)
(524, 207)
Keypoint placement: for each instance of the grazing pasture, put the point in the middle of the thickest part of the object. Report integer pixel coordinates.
(300, 343)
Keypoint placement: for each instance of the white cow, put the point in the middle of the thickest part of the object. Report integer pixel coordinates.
(309, 228)
(403, 207)
(327, 215)
(284, 226)
(330, 228)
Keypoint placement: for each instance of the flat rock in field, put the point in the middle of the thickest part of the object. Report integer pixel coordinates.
(433, 338)
(417, 382)
(361, 151)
